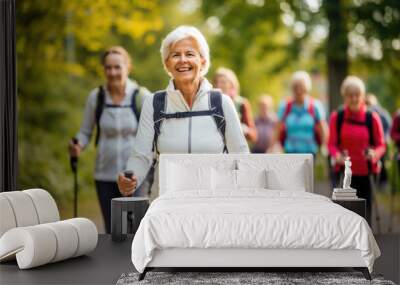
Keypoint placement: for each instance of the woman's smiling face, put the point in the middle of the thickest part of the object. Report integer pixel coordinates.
(115, 69)
(184, 61)
(353, 98)
(222, 82)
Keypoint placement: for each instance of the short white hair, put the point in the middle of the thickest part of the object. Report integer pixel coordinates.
(230, 75)
(352, 81)
(184, 32)
(302, 76)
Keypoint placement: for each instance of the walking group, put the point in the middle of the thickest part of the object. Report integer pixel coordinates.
(131, 126)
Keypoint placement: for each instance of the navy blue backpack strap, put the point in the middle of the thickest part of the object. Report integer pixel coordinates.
(159, 106)
(339, 124)
(180, 115)
(368, 123)
(135, 108)
(159, 114)
(101, 95)
(218, 114)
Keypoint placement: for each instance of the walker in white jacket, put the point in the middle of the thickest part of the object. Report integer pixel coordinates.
(184, 135)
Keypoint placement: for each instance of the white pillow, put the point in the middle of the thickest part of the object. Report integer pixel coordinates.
(293, 180)
(188, 177)
(251, 179)
(223, 179)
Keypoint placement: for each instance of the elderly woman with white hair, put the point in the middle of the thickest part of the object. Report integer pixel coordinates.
(189, 116)
(113, 109)
(302, 126)
(226, 80)
(356, 132)
(265, 123)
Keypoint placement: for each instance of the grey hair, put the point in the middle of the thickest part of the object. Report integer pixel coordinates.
(304, 77)
(230, 75)
(352, 81)
(184, 32)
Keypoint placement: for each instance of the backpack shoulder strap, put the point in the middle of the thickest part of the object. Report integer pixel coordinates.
(368, 123)
(159, 106)
(134, 103)
(287, 110)
(101, 98)
(218, 114)
(239, 105)
(311, 109)
(339, 124)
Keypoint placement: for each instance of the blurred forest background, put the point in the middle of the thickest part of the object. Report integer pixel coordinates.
(59, 44)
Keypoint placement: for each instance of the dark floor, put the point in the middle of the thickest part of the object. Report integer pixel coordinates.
(102, 266)
(389, 262)
(106, 264)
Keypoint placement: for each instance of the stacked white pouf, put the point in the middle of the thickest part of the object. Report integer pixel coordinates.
(31, 231)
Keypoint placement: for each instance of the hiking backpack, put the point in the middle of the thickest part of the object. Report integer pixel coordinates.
(311, 111)
(239, 106)
(367, 123)
(100, 105)
(215, 110)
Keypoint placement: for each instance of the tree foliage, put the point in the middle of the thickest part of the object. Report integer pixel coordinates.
(58, 50)
(59, 44)
(294, 34)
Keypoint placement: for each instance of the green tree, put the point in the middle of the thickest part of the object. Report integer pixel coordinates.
(59, 45)
(312, 35)
(58, 50)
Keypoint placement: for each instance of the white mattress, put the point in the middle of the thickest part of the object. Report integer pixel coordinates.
(252, 218)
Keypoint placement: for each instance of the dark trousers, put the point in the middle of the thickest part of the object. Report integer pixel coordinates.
(364, 190)
(398, 164)
(106, 191)
(383, 175)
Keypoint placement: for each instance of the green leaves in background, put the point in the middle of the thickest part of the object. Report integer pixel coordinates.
(59, 44)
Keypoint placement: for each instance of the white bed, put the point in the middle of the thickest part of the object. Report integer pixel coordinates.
(231, 211)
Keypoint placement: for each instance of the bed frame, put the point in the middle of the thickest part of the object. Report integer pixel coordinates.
(246, 259)
(260, 259)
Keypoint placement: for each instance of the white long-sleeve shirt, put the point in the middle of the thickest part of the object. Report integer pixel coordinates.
(185, 135)
(118, 131)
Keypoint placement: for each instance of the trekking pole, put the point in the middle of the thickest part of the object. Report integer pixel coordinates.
(339, 183)
(130, 218)
(375, 186)
(373, 199)
(74, 168)
(395, 173)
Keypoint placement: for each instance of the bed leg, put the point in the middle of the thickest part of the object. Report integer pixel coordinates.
(364, 271)
(143, 274)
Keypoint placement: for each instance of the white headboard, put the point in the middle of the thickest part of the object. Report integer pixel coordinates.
(280, 162)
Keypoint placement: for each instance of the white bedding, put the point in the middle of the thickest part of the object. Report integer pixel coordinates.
(252, 218)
